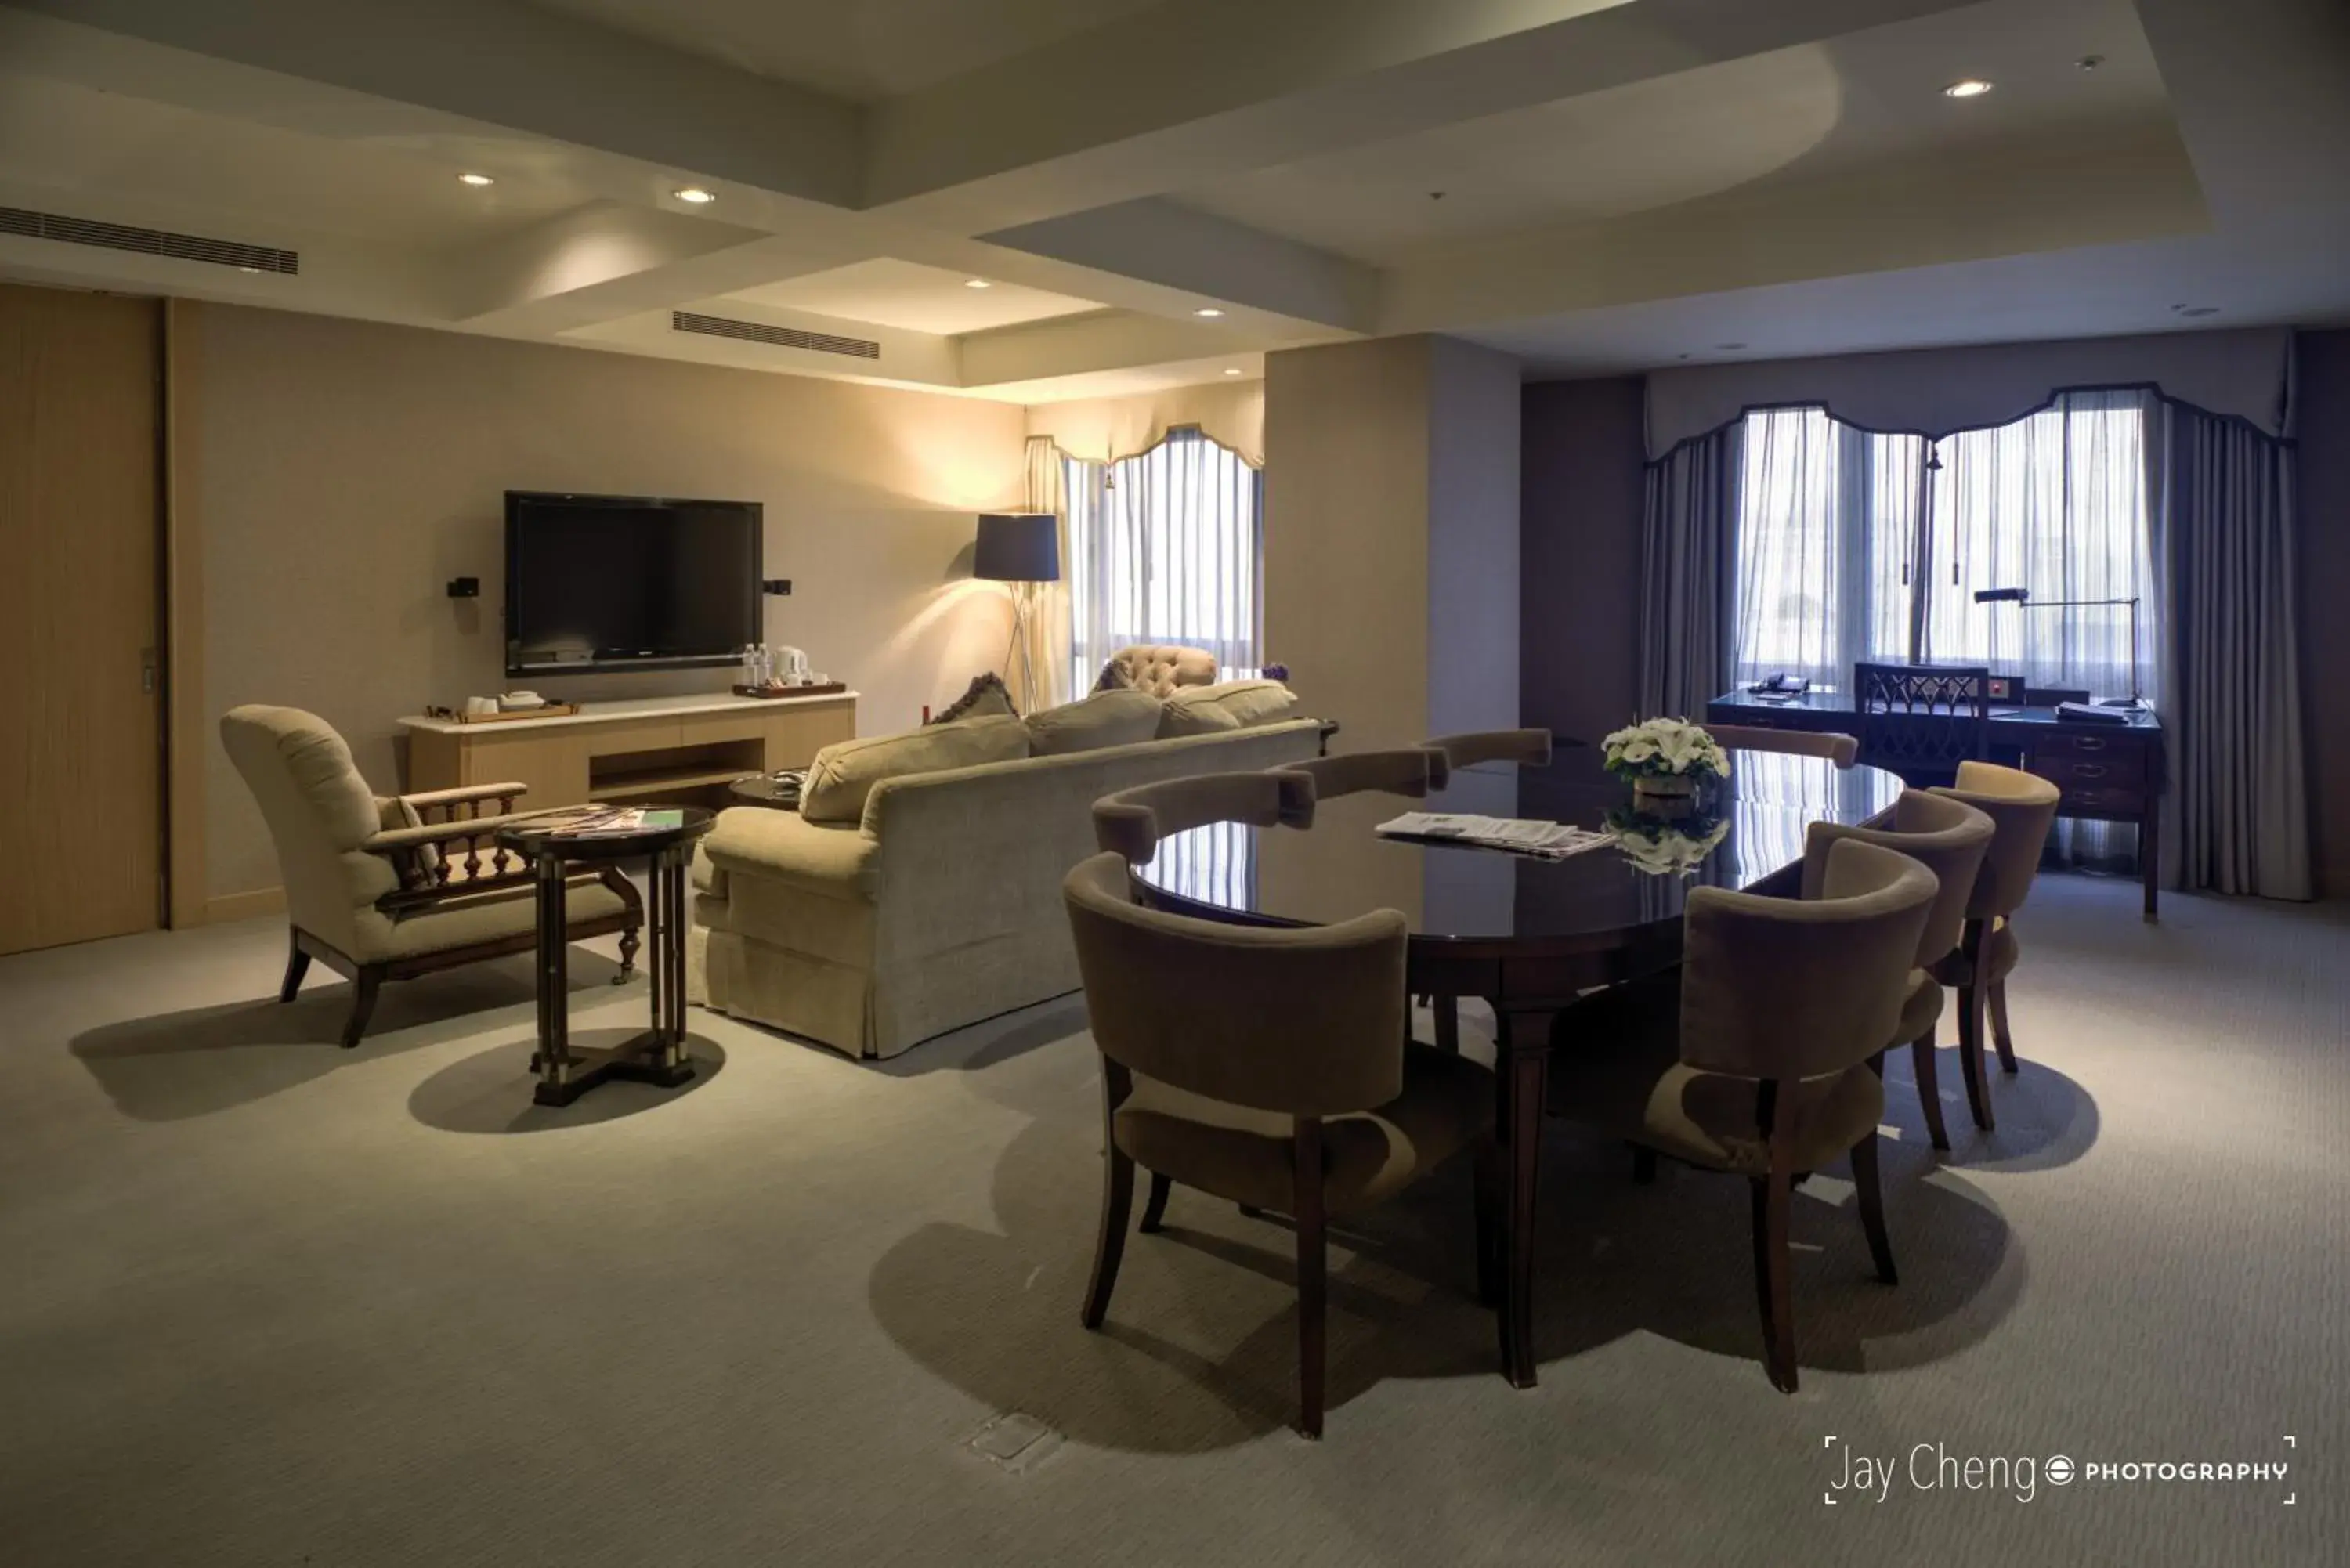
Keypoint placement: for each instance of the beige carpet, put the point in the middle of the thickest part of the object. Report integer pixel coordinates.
(265, 1301)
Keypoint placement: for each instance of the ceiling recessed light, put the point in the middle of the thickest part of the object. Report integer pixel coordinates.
(1972, 87)
(695, 194)
(977, 283)
(1231, 372)
(475, 180)
(1207, 310)
(2089, 62)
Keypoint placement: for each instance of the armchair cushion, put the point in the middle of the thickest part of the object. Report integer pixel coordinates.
(464, 920)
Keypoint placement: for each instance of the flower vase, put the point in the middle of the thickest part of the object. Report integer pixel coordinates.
(1665, 787)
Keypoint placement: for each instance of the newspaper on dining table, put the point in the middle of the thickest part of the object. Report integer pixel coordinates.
(1551, 840)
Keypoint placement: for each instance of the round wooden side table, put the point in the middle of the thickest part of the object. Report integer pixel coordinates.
(657, 1055)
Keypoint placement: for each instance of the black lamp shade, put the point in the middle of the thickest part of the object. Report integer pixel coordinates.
(1017, 548)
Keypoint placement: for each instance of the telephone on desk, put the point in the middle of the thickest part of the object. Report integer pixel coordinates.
(1781, 687)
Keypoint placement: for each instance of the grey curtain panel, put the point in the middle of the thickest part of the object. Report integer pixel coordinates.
(1688, 550)
(2238, 776)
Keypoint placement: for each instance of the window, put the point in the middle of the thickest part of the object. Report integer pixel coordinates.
(1854, 546)
(1164, 547)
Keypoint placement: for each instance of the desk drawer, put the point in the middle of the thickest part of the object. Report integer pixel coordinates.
(2081, 762)
(2130, 802)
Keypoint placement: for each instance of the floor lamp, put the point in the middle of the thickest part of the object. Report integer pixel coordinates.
(1022, 548)
(2022, 599)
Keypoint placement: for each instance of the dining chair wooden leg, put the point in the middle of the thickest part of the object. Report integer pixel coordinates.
(1971, 1055)
(1772, 1292)
(1312, 1263)
(297, 965)
(1447, 1022)
(1491, 1178)
(1117, 1196)
(363, 992)
(1523, 1086)
(1871, 1191)
(1922, 1062)
(1109, 1242)
(1644, 1164)
(1997, 991)
(1250, 1210)
(1154, 1207)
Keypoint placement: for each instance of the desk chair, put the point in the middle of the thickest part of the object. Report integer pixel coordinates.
(1921, 720)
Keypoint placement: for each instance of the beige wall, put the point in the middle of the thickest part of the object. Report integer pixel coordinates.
(347, 470)
(1390, 568)
(1232, 412)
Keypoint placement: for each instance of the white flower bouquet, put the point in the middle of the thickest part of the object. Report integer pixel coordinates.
(1672, 753)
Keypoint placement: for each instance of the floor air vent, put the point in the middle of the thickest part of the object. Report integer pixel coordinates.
(147, 242)
(774, 337)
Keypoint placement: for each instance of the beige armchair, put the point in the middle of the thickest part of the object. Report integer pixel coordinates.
(377, 890)
(1158, 669)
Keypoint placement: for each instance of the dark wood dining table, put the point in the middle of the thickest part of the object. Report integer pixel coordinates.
(1528, 936)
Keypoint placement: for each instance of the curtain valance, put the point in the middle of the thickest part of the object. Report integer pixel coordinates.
(1934, 392)
(1103, 430)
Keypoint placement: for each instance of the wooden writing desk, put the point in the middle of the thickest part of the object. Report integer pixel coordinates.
(2108, 773)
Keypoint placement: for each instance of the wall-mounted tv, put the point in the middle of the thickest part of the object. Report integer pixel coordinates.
(634, 582)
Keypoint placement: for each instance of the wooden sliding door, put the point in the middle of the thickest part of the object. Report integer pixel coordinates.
(81, 774)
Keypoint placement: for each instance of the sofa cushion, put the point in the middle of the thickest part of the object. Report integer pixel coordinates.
(1105, 719)
(1227, 705)
(845, 773)
(985, 695)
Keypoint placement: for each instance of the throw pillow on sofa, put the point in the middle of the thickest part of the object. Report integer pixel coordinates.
(845, 773)
(986, 695)
(1118, 718)
(1228, 705)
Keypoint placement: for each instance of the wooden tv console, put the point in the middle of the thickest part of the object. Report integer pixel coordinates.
(667, 750)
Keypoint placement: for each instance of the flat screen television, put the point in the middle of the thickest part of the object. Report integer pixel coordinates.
(634, 582)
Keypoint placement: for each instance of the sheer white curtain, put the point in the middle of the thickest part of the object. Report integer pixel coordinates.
(1854, 546)
(1164, 547)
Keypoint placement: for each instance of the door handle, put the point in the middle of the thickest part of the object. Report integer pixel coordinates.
(147, 671)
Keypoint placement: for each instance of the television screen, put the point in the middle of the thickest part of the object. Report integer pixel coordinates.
(598, 581)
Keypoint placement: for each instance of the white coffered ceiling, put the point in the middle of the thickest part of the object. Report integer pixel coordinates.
(1158, 194)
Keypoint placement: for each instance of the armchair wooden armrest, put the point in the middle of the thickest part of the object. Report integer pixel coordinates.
(441, 858)
(425, 800)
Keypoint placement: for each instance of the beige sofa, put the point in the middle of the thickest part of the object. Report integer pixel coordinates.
(940, 907)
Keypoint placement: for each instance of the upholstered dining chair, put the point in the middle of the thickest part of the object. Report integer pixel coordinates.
(1265, 1065)
(1949, 838)
(2022, 807)
(1131, 821)
(1413, 771)
(377, 892)
(1762, 1062)
(1842, 750)
(1530, 747)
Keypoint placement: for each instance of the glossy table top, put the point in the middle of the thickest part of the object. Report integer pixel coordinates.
(1734, 835)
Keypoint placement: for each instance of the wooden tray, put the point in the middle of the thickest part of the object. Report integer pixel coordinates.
(829, 688)
(544, 710)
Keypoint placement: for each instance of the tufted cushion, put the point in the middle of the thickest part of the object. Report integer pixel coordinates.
(845, 773)
(1105, 719)
(1229, 705)
(1159, 669)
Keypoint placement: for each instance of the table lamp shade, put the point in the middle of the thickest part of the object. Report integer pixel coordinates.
(1018, 547)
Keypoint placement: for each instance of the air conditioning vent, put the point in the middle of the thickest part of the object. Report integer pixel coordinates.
(147, 242)
(775, 337)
